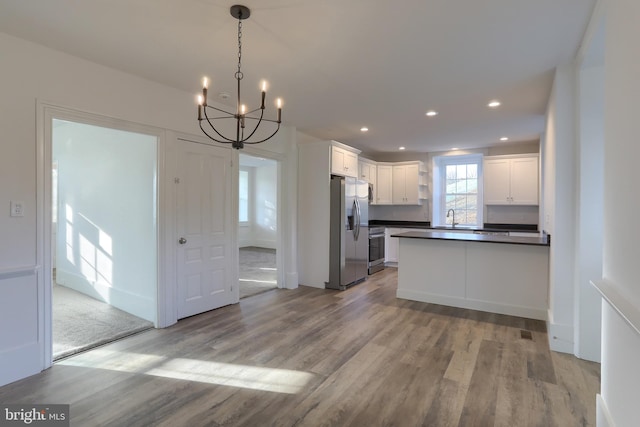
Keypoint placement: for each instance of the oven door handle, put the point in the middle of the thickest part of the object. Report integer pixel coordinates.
(375, 236)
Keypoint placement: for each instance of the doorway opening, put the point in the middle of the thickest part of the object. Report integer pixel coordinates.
(257, 224)
(103, 234)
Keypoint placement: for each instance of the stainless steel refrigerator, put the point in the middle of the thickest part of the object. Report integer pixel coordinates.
(349, 232)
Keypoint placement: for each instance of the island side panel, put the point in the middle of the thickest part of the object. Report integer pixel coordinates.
(494, 277)
(509, 279)
(431, 270)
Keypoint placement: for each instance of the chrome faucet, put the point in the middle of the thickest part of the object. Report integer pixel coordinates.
(453, 219)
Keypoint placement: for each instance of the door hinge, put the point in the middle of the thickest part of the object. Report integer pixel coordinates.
(176, 180)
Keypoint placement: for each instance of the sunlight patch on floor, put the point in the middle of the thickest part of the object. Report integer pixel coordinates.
(227, 374)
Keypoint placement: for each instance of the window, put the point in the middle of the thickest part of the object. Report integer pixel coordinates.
(243, 199)
(457, 186)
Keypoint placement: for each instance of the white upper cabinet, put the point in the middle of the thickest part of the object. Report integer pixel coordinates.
(383, 186)
(344, 161)
(406, 184)
(510, 180)
(367, 171)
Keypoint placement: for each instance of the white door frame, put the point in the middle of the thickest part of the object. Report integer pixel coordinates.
(45, 113)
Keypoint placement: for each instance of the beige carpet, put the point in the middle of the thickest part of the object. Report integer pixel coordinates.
(257, 270)
(81, 322)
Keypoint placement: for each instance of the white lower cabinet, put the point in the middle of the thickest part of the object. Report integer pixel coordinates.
(391, 243)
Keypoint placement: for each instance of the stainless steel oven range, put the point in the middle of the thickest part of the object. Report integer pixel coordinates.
(376, 249)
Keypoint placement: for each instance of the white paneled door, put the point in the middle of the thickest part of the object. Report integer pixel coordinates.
(203, 230)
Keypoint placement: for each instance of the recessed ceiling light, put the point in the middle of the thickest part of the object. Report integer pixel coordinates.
(504, 138)
(432, 113)
(494, 104)
(401, 148)
(364, 129)
(454, 149)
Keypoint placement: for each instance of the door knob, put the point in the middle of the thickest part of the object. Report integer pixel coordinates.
(182, 241)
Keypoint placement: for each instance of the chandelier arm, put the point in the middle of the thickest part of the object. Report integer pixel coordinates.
(216, 118)
(214, 129)
(263, 140)
(255, 128)
(253, 111)
(217, 109)
(264, 120)
(212, 138)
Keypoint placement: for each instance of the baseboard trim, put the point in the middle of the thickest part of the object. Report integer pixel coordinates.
(511, 310)
(119, 298)
(560, 336)
(291, 280)
(603, 416)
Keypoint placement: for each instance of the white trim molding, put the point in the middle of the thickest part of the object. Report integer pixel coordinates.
(622, 306)
(9, 273)
(560, 336)
(603, 417)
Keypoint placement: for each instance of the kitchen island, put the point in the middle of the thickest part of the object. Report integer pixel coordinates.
(488, 272)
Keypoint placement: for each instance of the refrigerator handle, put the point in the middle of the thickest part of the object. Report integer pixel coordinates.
(357, 203)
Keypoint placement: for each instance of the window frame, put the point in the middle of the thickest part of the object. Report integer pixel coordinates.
(440, 164)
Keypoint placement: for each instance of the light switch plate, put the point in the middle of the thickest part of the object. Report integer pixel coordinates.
(17, 208)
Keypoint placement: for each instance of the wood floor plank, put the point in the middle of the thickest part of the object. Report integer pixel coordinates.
(313, 357)
(480, 403)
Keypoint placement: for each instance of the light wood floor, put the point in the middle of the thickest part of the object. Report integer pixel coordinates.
(312, 357)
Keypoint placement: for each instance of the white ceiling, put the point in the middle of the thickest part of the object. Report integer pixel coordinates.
(338, 64)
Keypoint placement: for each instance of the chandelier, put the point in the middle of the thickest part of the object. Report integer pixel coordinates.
(241, 115)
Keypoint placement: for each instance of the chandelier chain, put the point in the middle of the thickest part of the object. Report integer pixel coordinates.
(239, 72)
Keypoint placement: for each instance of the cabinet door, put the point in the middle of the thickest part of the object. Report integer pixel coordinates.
(524, 181)
(399, 178)
(412, 184)
(367, 172)
(391, 245)
(363, 171)
(406, 185)
(350, 164)
(338, 161)
(497, 182)
(383, 185)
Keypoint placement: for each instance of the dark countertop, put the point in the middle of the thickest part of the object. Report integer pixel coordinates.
(538, 240)
(399, 224)
(426, 225)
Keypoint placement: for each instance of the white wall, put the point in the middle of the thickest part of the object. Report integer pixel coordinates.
(620, 342)
(107, 224)
(559, 154)
(31, 72)
(313, 211)
(266, 210)
(262, 228)
(589, 212)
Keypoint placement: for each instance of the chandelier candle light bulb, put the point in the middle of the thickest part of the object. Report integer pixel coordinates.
(205, 86)
(200, 102)
(279, 105)
(257, 115)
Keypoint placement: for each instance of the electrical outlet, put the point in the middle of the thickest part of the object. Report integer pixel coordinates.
(17, 208)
